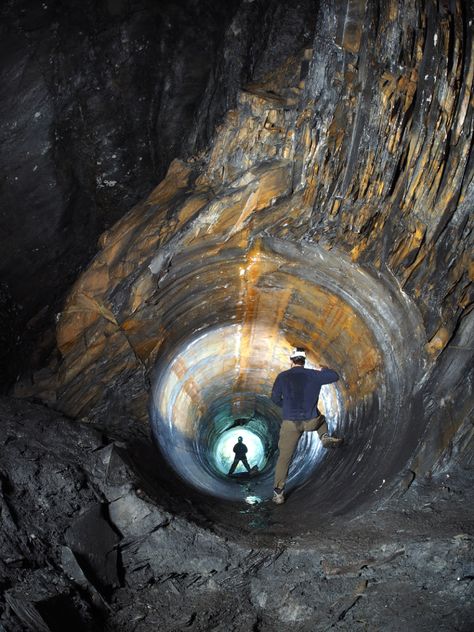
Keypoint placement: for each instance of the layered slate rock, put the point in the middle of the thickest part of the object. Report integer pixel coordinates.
(85, 545)
(98, 98)
(359, 146)
(331, 210)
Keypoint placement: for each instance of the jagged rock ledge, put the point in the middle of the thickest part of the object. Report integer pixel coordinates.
(83, 546)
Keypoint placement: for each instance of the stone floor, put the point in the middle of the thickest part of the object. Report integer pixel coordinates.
(83, 546)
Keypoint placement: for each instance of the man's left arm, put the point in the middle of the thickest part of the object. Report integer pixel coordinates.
(328, 376)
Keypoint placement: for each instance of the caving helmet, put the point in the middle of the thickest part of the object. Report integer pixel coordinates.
(298, 352)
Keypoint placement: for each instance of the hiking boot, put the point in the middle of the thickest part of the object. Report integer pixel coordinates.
(330, 442)
(278, 496)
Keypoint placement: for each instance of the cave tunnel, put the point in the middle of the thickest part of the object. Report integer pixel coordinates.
(228, 339)
(192, 189)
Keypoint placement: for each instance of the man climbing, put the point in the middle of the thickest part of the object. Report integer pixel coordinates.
(297, 391)
(240, 450)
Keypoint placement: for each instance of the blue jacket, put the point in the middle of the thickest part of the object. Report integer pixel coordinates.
(297, 390)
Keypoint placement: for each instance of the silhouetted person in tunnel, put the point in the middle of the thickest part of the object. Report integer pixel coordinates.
(240, 450)
(297, 391)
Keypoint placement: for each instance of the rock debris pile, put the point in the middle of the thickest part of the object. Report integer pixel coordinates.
(317, 192)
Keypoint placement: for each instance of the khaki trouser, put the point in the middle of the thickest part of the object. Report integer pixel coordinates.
(290, 433)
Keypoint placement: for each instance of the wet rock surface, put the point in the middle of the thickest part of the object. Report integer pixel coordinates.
(84, 547)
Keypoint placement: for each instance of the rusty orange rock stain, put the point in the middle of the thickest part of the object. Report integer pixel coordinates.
(245, 187)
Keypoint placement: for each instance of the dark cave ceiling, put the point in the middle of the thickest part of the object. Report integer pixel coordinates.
(97, 99)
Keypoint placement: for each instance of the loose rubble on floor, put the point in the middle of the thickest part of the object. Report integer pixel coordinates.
(84, 547)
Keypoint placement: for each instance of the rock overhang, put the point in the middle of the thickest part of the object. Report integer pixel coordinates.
(379, 146)
(243, 311)
(206, 314)
(316, 218)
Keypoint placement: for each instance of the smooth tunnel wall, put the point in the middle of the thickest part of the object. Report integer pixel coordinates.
(231, 321)
(209, 390)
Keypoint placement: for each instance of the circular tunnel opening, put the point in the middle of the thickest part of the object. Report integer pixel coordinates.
(222, 451)
(229, 337)
(200, 411)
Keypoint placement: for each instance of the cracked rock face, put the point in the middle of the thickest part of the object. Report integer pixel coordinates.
(329, 209)
(84, 545)
(97, 99)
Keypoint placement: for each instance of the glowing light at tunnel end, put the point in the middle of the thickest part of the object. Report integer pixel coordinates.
(223, 454)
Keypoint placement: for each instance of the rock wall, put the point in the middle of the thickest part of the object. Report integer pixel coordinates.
(331, 209)
(97, 99)
(359, 146)
(85, 544)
